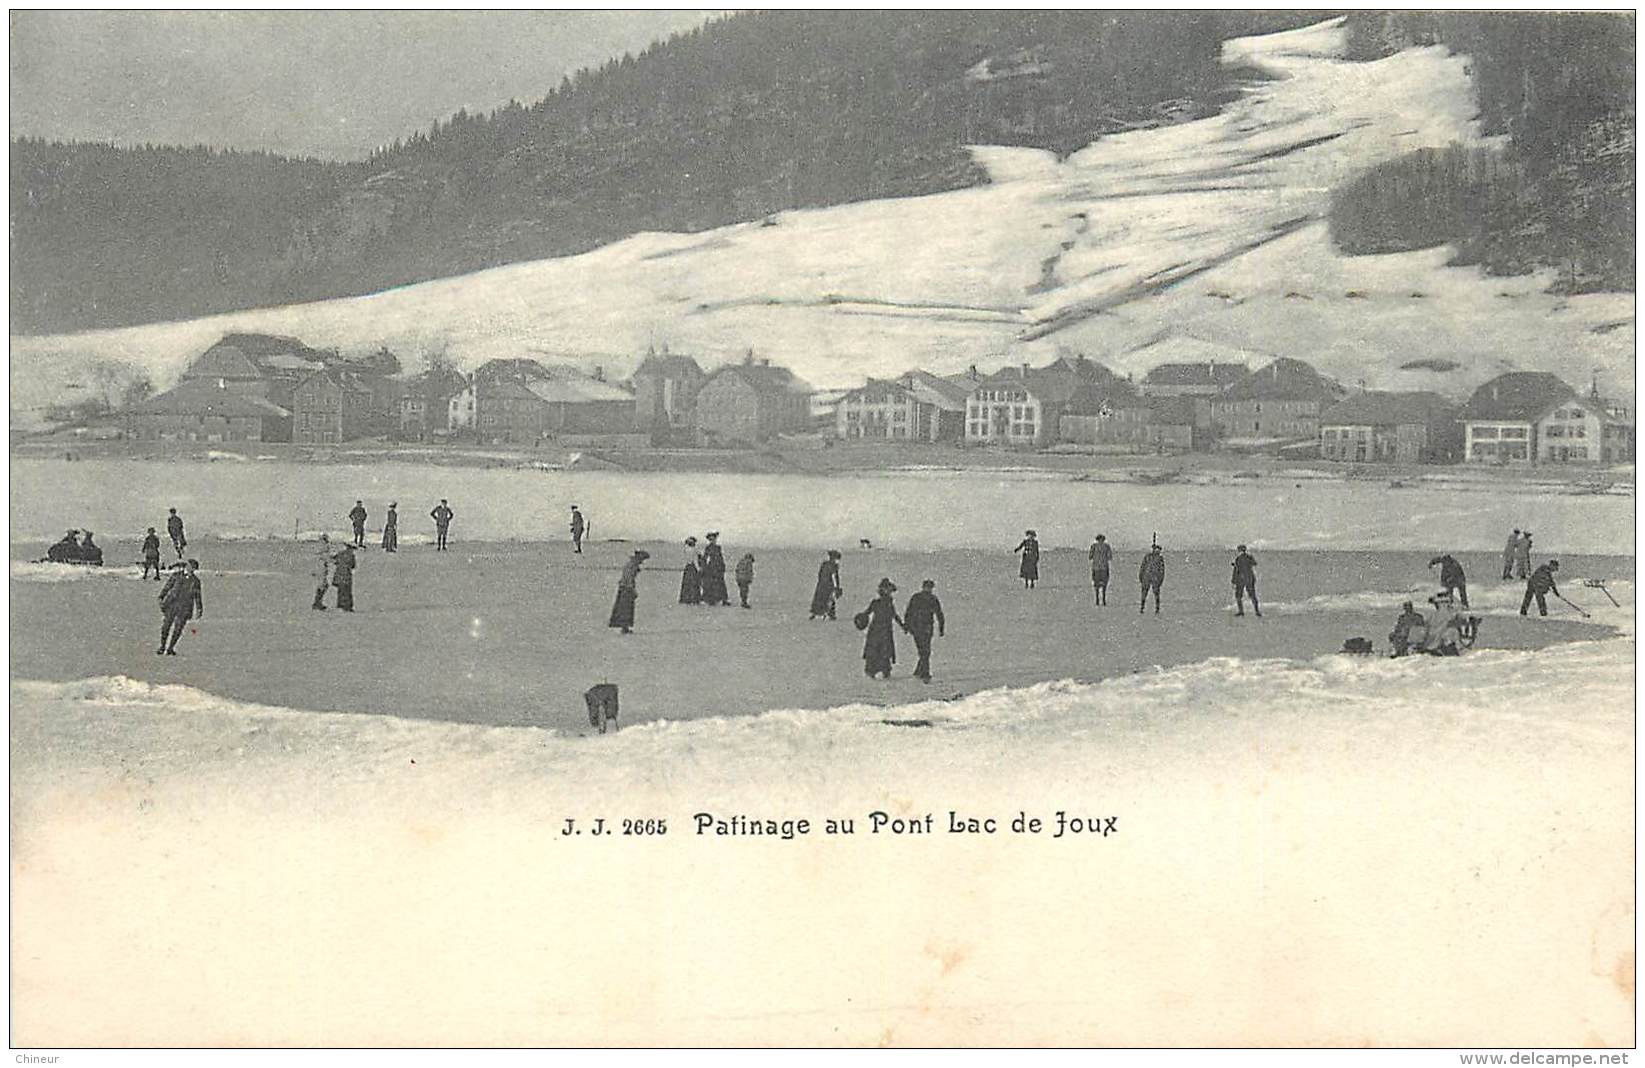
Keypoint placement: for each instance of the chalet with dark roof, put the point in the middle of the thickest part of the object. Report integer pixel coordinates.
(752, 402)
(1533, 417)
(203, 410)
(1281, 401)
(1380, 427)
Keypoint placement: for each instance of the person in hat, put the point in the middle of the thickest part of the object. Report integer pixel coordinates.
(90, 552)
(1102, 555)
(442, 516)
(922, 612)
(1522, 556)
(1029, 546)
(1539, 586)
(322, 573)
(828, 589)
(745, 577)
(357, 517)
(622, 611)
(1245, 582)
(342, 576)
(1409, 627)
(879, 650)
(1152, 576)
(174, 527)
(151, 554)
(1509, 551)
(391, 529)
(691, 582)
(713, 572)
(579, 526)
(1451, 578)
(66, 550)
(180, 602)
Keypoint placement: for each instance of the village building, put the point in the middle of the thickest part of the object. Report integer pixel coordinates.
(462, 410)
(1022, 406)
(918, 406)
(1174, 423)
(521, 410)
(1381, 427)
(1109, 412)
(751, 402)
(1502, 418)
(665, 394)
(1186, 366)
(1281, 401)
(425, 403)
(202, 410)
(268, 365)
(330, 407)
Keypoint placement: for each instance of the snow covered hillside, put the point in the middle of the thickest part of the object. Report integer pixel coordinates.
(1214, 228)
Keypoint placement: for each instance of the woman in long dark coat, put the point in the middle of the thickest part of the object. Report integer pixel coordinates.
(691, 583)
(622, 612)
(879, 650)
(713, 572)
(1030, 549)
(828, 587)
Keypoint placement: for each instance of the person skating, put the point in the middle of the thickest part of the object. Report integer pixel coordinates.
(151, 554)
(1410, 623)
(174, 527)
(745, 577)
(342, 576)
(1510, 551)
(622, 611)
(1029, 546)
(578, 527)
(691, 583)
(828, 590)
(1102, 556)
(322, 573)
(713, 572)
(1152, 576)
(922, 611)
(391, 529)
(1451, 578)
(1539, 586)
(879, 650)
(90, 553)
(442, 516)
(180, 601)
(1522, 556)
(357, 516)
(1245, 582)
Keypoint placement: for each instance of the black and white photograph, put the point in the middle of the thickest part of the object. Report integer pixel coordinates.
(819, 528)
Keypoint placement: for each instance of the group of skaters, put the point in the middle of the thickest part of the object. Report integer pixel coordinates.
(702, 578)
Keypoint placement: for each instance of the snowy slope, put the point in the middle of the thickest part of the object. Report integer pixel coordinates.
(1214, 228)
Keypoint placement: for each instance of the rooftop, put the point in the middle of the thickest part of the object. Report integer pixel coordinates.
(1519, 397)
(200, 397)
(1377, 408)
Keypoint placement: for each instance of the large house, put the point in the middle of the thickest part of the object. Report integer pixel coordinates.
(1281, 401)
(1532, 417)
(1379, 427)
(917, 406)
(425, 402)
(201, 410)
(268, 365)
(752, 401)
(665, 394)
(1022, 406)
(330, 407)
(524, 401)
(1184, 366)
(1107, 412)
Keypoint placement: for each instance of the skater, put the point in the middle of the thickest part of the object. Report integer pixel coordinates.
(1510, 551)
(1029, 546)
(1408, 627)
(1102, 554)
(713, 572)
(441, 515)
(90, 553)
(151, 554)
(1539, 586)
(322, 573)
(691, 583)
(342, 576)
(179, 602)
(1522, 556)
(357, 516)
(828, 590)
(174, 527)
(879, 650)
(1152, 577)
(578, 528)
(622, 612)
(1245, 582)
(924, 609)
(1451, 578)
(745, 577)
(391, 529)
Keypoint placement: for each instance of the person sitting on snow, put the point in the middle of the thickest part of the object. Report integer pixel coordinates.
(1410, 625)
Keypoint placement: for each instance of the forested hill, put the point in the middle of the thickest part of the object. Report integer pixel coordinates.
(748, 115)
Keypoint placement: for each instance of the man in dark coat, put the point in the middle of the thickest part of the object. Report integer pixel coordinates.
(342, 576)
(1509, 551)
(879, 650)
(174, 527)
(923, 610)
(628, 592)
(90, 553)
(1152, 576)
(391, 529)
(713, 572)
(1451, 577)
(66, 550)
(1102, 555)
(1029, 546)
(180, 602)
(578, 526)
(1539, 586)
(1409, 621)
(442, 522)
(1245, 582)
(357, 516)
(151, 554)
(828, 588)
(745, 577)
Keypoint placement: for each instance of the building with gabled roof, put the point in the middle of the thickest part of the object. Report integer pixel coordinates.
(202, 410)
(1280, 401)
(1181, 364)
(1533, 417)
(665, 394)
(1382, 427)
(752, 401)
(1021, 406)
(330, 407)
(915, 406)
(1109, 412)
